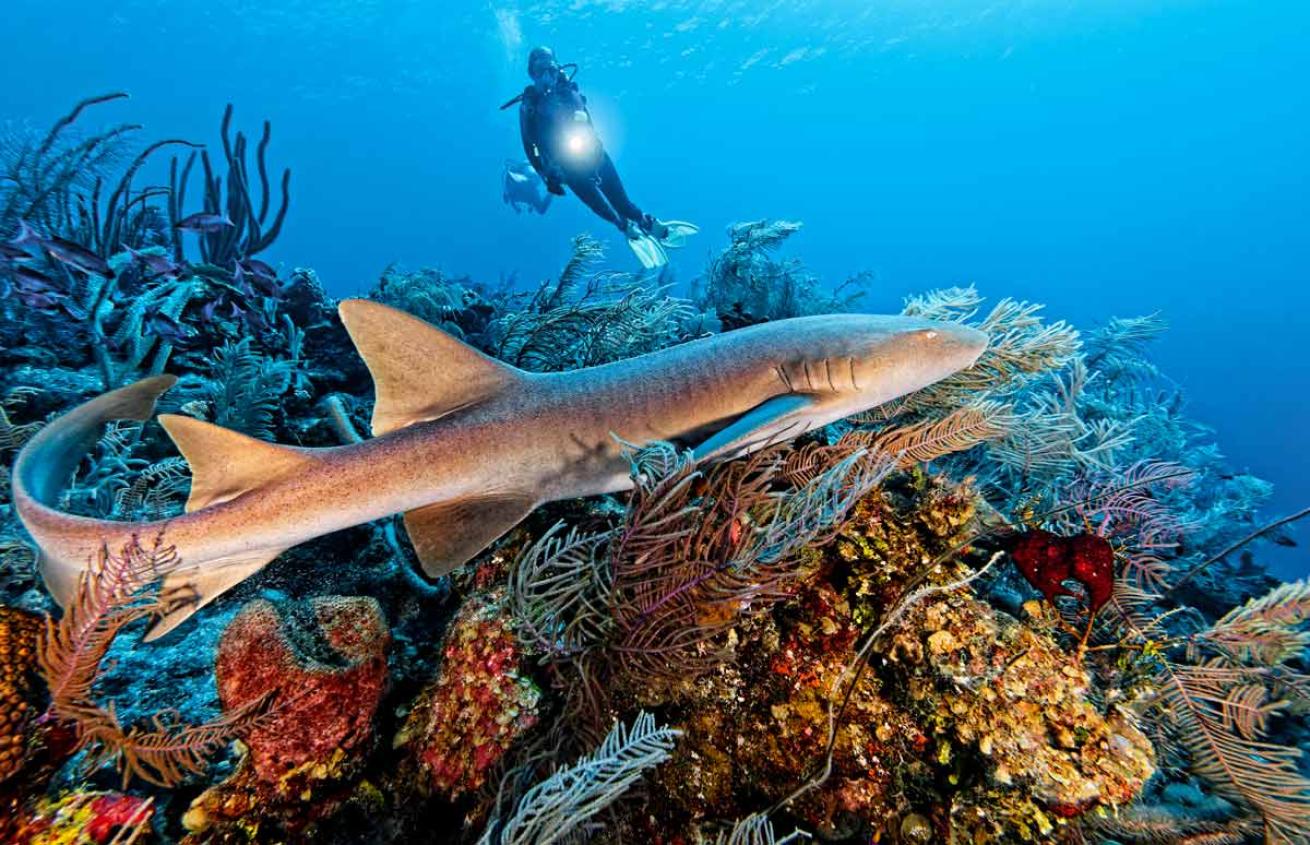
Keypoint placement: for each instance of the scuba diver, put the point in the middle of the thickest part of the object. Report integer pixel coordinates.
(563, 147)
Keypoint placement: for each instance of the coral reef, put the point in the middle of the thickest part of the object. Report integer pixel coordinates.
(87, 818)
(1023, 604)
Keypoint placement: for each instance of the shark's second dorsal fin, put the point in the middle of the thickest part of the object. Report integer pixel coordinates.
(226, 463)
(419, 372)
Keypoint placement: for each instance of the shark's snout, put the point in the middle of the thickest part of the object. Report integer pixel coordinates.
(962, 345)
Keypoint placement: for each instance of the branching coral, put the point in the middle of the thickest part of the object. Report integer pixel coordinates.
(117, 590)
(251, 231)
(584, 318)
(561, 808)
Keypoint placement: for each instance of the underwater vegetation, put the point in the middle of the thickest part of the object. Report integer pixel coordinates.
(1024, 604)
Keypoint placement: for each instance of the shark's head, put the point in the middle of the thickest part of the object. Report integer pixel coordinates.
(854, 362)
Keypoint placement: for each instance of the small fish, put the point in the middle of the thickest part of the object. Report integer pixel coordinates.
(209, 310)
(14, 253)
(241, 284)
(26, 235)
(266, 280)
(167, 329)
(155, 264)
(76, 256)
(259, 268)
(204, 222)
(33, 280)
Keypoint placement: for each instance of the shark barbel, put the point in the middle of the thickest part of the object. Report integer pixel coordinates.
(466, 446)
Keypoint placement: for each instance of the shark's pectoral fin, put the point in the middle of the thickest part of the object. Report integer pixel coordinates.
(770, 421)
(188, 589)
(447, 535)
(419, 372)
(225, 463)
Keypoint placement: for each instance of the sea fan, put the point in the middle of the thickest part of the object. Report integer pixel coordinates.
(1220, 713)
(585, 319)
(117, 590)
(929, 439)
(756, 829)
(12, 434)
(1151, 826)
(560, 808)
(1266, 631)
(698, 550)
(1020, 346)
(156, 492)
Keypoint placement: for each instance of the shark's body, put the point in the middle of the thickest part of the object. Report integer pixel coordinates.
(466, 446)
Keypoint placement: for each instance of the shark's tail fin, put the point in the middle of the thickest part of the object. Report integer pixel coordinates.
(67, 543)
(224, 465)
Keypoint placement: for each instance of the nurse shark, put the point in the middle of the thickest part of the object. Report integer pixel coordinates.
(466, 446)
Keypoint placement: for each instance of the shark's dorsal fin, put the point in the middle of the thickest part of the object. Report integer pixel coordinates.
(419, 372)
(226, 463)
(447, 535)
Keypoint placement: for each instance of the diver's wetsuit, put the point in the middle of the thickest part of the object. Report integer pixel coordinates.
(545, 119)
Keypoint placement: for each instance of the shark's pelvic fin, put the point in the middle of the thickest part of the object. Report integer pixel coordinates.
(419, 372)
(198, 586)
(226, 463)
(447, 535)
(771, 420)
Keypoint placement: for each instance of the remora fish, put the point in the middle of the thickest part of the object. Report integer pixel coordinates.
(466, 446)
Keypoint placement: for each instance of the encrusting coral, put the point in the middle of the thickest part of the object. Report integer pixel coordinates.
(462, 724)
(19, 686)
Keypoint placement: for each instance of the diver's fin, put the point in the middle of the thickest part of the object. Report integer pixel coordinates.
(447, 535)
(759, 426)
(226, 463)
(419, 372)
(648, 252)
(678, 232)
(195, 587)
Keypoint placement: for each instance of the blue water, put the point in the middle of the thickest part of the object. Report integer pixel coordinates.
(1106, 158)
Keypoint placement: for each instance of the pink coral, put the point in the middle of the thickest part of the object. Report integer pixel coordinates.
(464, 721)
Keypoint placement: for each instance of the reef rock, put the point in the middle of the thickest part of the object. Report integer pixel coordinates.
(86, 818)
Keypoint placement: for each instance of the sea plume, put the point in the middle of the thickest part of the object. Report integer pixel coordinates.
(117, 590)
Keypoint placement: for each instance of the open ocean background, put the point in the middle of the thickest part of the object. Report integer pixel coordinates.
(1105, 158)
